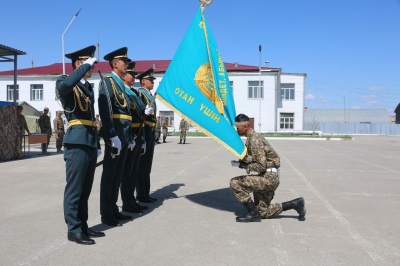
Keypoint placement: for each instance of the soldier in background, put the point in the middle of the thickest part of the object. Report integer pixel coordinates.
(165, 129)
(45, 128)
(263, 159)
(183, 127)
(97, 123)
(22, 122)
(158, 130)
(58, 123)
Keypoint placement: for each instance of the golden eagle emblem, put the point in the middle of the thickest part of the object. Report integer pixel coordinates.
(205, 81)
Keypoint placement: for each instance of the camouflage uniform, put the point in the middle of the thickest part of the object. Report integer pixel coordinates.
(45, 127)
(158, 130)
(164, 130)
(97, 124)
(22, 125)
(260, 156)
(183, 127)
(60, 132)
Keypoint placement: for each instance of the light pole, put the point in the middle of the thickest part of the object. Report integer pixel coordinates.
(63, 39)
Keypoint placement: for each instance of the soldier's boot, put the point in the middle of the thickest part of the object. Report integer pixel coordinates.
(180, 141)
(164, 140)
(184, 141)
(298, 205)
(253, 214)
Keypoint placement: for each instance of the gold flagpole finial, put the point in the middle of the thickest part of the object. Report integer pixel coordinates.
(205, 2)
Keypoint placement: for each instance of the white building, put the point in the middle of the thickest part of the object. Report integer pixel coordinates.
(280, 100)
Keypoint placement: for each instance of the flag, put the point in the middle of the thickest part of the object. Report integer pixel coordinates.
(197, 87)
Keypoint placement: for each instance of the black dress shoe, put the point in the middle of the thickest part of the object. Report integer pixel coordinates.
(140, 207)
(91, 233)
(153, 199)
(120, 216)
(111, 221)
(131, 209)
(81, 238)
(144, 199)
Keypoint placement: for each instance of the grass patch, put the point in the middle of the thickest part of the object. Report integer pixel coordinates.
(190, 134)
(304, 136)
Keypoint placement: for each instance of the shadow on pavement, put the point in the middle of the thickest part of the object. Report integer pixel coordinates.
(161, 195)
(221, 199)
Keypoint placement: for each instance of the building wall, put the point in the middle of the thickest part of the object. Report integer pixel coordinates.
(295, 106)
(240, 80)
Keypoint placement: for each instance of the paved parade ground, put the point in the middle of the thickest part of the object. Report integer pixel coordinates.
(351, 189)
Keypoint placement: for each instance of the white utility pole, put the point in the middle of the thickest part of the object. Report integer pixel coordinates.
(63, 39)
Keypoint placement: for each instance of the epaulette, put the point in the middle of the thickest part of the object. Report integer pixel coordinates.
(63, 75)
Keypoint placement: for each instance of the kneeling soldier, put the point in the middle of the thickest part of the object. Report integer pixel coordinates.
(261, 158)
(81, 144)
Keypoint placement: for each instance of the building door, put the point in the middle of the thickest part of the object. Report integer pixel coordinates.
(252, 123)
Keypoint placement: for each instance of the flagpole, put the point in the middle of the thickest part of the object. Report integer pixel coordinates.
(63, 39)
(259, 95)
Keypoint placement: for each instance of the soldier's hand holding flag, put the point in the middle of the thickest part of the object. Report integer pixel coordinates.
(235, 163)
(148, 110)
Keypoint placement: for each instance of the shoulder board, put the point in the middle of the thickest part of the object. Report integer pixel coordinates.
(64, 75)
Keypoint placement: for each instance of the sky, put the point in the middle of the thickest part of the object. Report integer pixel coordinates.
(350, 50)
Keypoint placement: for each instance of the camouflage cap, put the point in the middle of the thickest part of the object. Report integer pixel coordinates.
(20, 107)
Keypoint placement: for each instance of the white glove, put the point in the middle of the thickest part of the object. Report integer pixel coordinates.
(235, 163)
(98, 152)
(116, 143)
(144, 148)
(132, 145)
(90, 61)
(148, 110)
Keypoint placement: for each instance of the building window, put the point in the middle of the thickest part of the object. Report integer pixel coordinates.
(255, 90)
(287, 92)
(231, 82)
(36, 92)
(169, 115)
(287, 121)
(10, 93)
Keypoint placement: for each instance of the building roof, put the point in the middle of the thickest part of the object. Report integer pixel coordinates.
(5, 51)
(373, 116)
(141, 66)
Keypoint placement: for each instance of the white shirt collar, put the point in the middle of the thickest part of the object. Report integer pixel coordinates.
(115, 74)
(83, 81)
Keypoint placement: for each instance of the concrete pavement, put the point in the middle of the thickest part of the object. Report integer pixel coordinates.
(351, 190)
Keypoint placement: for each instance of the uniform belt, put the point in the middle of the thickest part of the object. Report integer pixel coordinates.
(81, 122)
(150, 123)
(269, 170)
(135, 124)
(119, 116)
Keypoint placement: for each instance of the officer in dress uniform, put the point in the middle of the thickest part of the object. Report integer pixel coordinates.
(143, 184)
(129, 178)
(117, 134)
(81, 144)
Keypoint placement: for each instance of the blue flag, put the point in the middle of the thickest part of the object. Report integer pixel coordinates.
(197, 87)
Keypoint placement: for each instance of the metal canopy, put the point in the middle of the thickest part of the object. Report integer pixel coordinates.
(8, 51)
